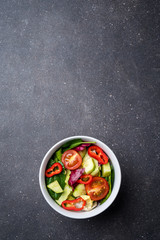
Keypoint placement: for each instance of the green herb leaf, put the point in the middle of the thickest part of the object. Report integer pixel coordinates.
(71, 142)
(64, 170)
(52, 161)
(59, 154)
(112, 176)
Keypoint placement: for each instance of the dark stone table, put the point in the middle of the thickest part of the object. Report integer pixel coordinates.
(79, 68)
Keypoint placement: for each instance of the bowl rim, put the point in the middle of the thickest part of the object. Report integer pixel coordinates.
(99, 209)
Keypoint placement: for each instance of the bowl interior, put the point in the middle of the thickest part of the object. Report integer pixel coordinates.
(98, 209)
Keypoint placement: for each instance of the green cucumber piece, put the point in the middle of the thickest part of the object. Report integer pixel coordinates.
(55, 187)
(83, 152)
(97, 169)
(61, 180)
(88, 164)
(79, 190)
(106, 170)
(65, 194)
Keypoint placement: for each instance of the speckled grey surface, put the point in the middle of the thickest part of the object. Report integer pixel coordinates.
(71, 68)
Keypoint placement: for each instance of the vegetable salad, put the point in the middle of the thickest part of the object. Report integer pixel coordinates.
(79, 176)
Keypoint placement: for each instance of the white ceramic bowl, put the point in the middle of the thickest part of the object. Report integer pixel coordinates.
(98, 209)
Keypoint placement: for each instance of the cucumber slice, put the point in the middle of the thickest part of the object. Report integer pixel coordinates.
(97, 168)
(106, 170)
(55, 187)
(79, 190)
(65, 194)
(86, 157)
(83, 152)
(88, 164)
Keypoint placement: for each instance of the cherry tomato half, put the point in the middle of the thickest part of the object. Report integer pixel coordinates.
(97, 189)
(71, 159)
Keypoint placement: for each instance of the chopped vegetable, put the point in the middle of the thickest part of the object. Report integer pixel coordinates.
(97, 168)
(97, 189)
(89, 202)
(75, 205)
(97, 153)
(88, 164)
(71, 159)
(83, 152)
(59, 154)
(106, 170)
(56, 168)
(85, 179)
(65, 194)
(79, 190)
(54, 186)
(75, 175)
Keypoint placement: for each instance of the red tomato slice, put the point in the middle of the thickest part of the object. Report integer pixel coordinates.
(97, 189)
(71, 159)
